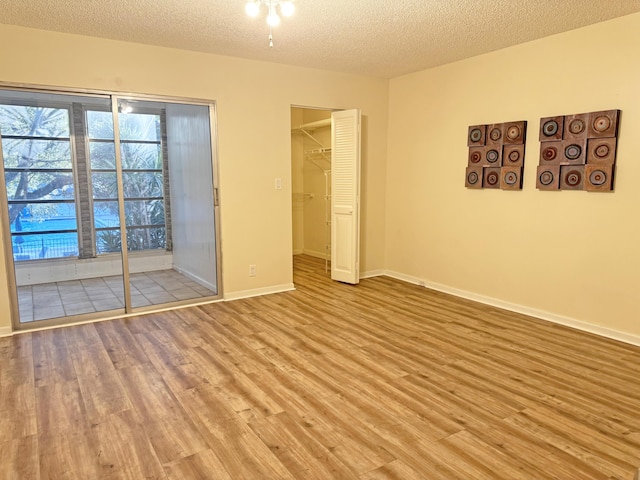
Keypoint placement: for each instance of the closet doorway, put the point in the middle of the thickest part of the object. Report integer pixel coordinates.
(108, 204)
(311, 183)
(326, 150)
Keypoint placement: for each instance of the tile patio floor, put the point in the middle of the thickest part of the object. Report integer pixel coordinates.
(75, 297)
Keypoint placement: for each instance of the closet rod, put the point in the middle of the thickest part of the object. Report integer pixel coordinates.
(320, 123)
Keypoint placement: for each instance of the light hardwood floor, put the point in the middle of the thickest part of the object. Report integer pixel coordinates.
(383, 380)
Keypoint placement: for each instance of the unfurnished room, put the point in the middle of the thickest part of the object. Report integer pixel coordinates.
(303, 239)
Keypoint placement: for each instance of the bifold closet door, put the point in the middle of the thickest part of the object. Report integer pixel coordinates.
(345, 191)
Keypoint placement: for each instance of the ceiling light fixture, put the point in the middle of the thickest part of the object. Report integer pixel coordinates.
(125, 107)
(273, 19)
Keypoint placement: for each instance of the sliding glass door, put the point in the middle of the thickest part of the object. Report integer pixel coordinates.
(85, 176)
(168, 201)
(60, 266)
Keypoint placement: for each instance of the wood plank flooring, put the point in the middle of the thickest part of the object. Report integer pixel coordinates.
(383, 380)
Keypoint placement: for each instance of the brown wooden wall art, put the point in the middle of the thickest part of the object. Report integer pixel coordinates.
(578, 152)
(496, 155)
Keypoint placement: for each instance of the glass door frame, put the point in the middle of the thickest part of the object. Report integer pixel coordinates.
(128, 309)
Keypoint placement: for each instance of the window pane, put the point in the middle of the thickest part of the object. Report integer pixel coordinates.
(100, 125)
(103, 155)
(105, 185)
(105, 214)
(51, 245)
(139, 126)
(47, 229)
(43, 217)
(150, 212)
(31, 224)
(142, 185)
(141, 156)
(34, 121)
(19, 153)
(39, 186)
(145, 238)
(108, 241)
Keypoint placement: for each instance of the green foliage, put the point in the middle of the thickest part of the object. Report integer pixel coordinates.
(142, 178)
(109, 241)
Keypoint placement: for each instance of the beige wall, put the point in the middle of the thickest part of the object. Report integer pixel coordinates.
(297, 182)
(253, 108)
(572, 254)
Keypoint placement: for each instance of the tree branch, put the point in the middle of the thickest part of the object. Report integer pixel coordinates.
(59, 181)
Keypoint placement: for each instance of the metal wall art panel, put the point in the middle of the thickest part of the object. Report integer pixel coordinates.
(496, 155)
(578, 152)
(548, 177)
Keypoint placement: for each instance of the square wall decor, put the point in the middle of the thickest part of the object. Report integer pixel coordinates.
(578, 152)
(496, 155)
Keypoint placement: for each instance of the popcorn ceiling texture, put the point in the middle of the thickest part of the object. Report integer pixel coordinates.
(379, 38)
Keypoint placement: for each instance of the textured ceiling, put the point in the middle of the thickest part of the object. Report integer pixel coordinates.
(381, 38)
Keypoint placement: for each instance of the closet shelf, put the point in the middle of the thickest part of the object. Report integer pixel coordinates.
(317, 151)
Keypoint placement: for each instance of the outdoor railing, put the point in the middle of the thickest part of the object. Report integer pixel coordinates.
(38, 246)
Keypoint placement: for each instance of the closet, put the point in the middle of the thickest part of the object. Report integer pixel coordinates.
(326, 151)
(311, 182)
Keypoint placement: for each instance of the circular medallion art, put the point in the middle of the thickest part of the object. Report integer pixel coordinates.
(576, 127)
(495, 134)
(549, 153)
(602, 151)
(475, 135)
(513, 132)
(510, 178)
(472, 178)
(572, 152)
(598, 177)
(601, 123)
(514, 156)
(492, 178)
(550, 128)
(492, 156)
(475, 157)
(573, 178)
(546, 178)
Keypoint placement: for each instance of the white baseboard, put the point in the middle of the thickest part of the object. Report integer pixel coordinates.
(313, 253)
(372, 273)
(287, 287)
(404, 278)
(298, 252)
(6, 331)
(514, 307)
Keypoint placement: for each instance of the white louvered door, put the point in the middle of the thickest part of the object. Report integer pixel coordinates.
(345, 196)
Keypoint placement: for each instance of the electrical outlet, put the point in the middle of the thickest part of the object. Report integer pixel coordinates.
(252, 270)
(278, 184)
